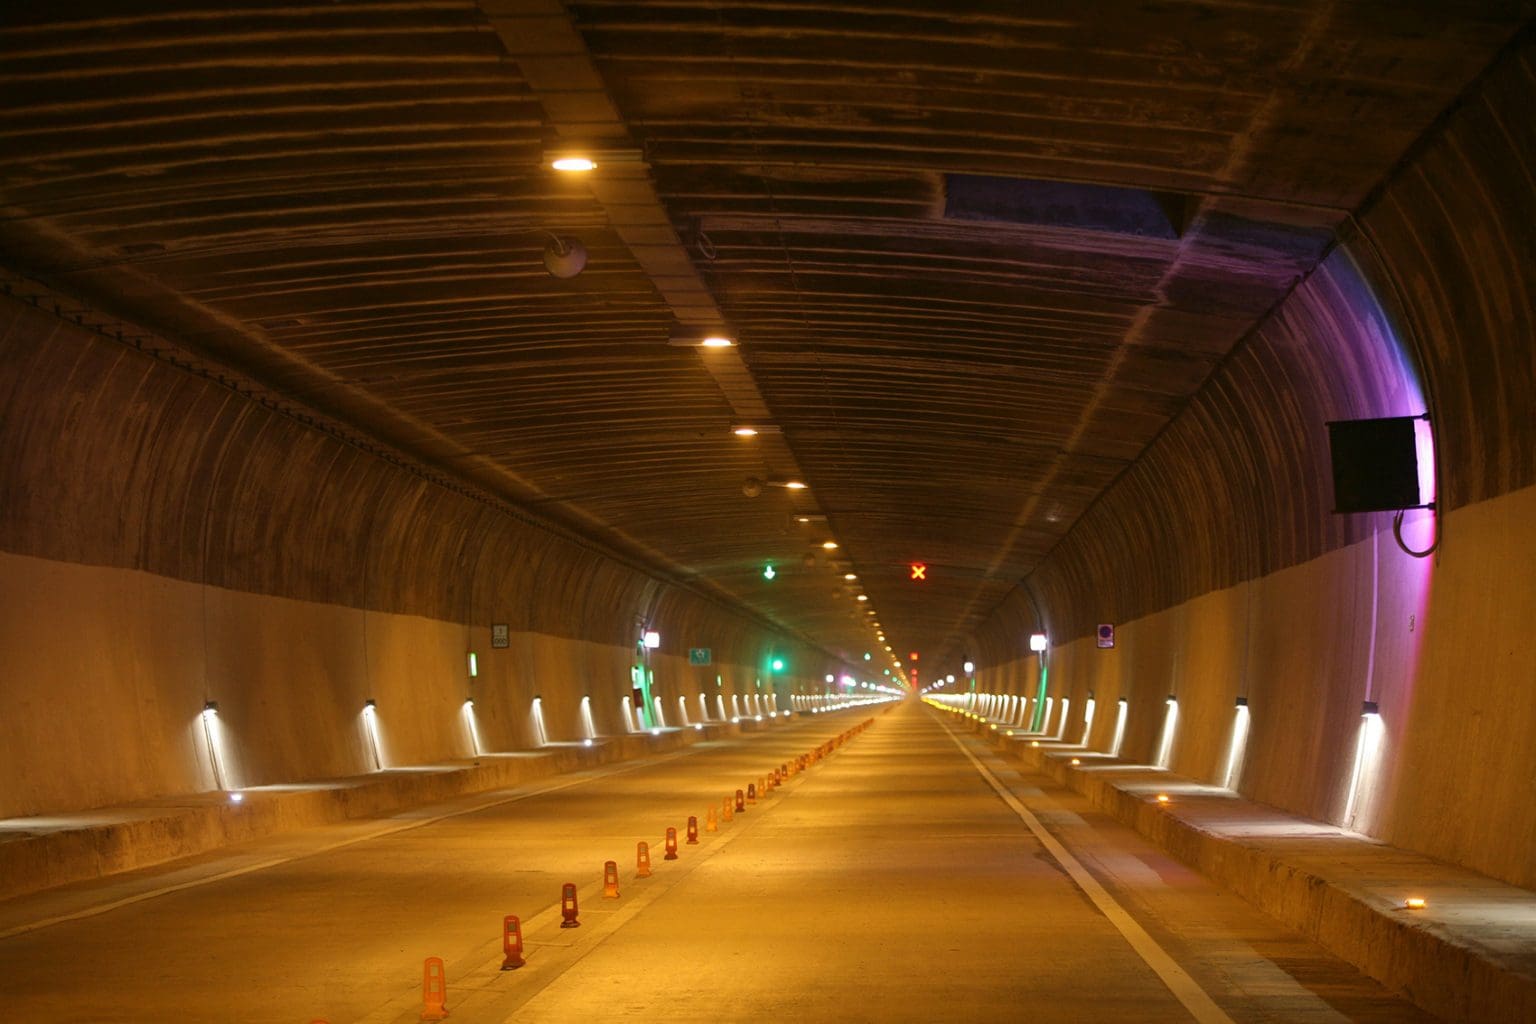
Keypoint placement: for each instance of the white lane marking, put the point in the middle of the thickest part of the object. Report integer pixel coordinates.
(1184, 988)
(382, 833)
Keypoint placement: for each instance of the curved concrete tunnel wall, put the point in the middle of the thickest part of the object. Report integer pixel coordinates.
(165, 541)
(1218, 556)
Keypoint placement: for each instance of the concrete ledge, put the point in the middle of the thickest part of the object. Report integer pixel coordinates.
(1469, 955)
(44, 852)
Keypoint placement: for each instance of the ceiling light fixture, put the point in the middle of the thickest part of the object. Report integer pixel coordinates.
(830, 545)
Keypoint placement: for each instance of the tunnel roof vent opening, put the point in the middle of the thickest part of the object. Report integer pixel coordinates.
(1065, 204)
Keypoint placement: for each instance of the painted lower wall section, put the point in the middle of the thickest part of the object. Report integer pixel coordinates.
(1444, 650)
(108, 671)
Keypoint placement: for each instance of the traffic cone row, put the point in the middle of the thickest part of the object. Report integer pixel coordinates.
(434, 979)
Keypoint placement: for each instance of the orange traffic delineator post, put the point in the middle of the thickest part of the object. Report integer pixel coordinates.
(671, 853)
(762, 785)
(610, 880)
(751, 792)
(693, 830)
(711, 824)
(643, 860)
(568, 907)
(728, 809)
(434, 990)
(512, 943)
(741, 801)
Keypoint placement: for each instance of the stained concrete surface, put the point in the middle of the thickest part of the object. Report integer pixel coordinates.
(886, 883)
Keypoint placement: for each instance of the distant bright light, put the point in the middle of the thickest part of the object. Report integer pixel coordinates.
(717, 341)
(1037, 641)
(795, 485)
(830, 545)
(655, 732)
(777, 664)
(850, 576)
(698, 726)
(863, 597)
(970, 667)
(744, 431)
(652, 639)
(586, 743)
(866, 655)
(1415, 903)
(573, 164)
(830, 677)
(239, 798)
(769, 572)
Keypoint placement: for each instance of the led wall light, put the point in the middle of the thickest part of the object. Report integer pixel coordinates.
(1037, 641)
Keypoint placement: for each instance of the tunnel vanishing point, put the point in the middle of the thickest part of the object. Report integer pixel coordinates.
(1131, 404)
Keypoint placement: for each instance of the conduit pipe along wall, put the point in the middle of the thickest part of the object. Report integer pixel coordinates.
(1218, 555)
(165, 542)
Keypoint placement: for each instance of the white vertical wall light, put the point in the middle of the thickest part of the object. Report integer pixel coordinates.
(1367, 759)
(588, 727)
(536, 716)
(1045, 720)
(1238, 746)
(661, 718)
(1061, 727)
(1120, 713)
(1087, 720)
(474, 729)
(703, 708)
(213, 735)
(626, 708)
(682, 711)
(371, 730)
(720, 705)
(1170, 726)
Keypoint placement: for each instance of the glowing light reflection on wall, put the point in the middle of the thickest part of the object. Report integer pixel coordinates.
(1087, 721)
(1368, 750)
(1165, 739)
(1120, 713)
(536, 715)
(472, 727)
(371, 730)
(588, 726)
(1236, 747)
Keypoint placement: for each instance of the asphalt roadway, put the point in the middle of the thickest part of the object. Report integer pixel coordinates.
(911, 875)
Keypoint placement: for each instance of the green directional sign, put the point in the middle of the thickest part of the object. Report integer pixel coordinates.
(700, 656)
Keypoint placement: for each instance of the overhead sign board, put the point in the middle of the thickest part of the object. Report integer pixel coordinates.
(1106, 634)
(701, 656)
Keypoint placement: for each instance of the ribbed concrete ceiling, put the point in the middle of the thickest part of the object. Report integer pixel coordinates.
(976, 254)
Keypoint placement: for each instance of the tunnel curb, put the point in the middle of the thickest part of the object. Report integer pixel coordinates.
(1344, 910)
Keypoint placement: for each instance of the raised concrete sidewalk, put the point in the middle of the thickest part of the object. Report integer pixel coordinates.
(43, 852)
(1469, 954)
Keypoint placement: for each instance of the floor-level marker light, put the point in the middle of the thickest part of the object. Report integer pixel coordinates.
(1170, 726)
(1120, 713)
(536, 713)
(213, 735)
(1415, 903)
(371, 729)
(1238, 745)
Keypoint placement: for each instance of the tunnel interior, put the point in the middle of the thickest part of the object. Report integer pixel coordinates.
(1035, 323)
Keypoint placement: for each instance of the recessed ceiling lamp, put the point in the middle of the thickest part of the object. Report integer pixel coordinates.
(700, 336)
(753, 429)
(744, 431)
(830, 545)
(793, 485)
(849, 576)
(576, 158)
